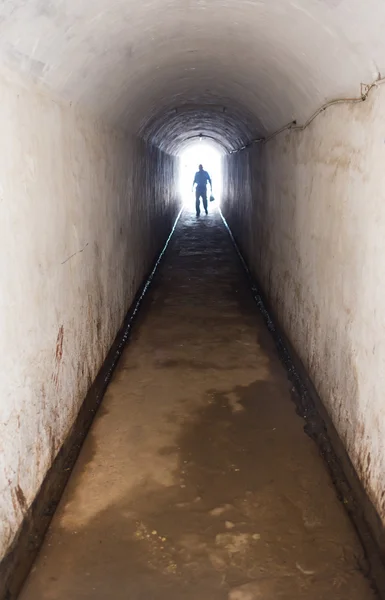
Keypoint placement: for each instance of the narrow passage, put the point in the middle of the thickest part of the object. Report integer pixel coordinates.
(197, 481)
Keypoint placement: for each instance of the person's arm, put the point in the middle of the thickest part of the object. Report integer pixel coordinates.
(210, 182)
(194, 182)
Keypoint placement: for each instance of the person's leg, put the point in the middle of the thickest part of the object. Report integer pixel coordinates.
(197, 202)
(204, 198)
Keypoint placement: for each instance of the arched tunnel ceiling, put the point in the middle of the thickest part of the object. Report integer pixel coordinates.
(171, 129)
(170, 69)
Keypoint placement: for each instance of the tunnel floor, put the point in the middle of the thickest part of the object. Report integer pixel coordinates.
(197, 481)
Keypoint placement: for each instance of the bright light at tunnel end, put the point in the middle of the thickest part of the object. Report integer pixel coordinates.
(196, 153)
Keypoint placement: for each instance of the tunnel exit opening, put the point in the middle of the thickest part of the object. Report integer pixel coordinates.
(198, 153)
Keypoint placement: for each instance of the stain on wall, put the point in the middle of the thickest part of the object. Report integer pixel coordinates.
(84, 211)
(308, 211)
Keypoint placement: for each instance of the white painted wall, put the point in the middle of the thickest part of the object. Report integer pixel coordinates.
(83, 211)
(311, 222)
(234, 70)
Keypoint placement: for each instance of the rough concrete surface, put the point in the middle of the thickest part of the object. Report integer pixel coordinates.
(84, 210)
(311, 225)
(92, 76)
(197, 480)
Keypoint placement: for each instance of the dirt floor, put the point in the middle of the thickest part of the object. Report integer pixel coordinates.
(197, 481)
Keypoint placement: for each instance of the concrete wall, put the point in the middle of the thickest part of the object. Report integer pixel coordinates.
(311, 223)
(83, 212)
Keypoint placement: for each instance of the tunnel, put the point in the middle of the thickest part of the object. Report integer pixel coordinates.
(264, 319)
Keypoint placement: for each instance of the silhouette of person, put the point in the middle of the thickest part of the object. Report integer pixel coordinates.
(200, 180)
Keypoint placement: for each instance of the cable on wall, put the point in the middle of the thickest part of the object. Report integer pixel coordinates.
(365, 91)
